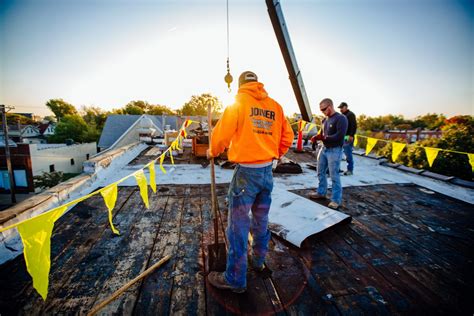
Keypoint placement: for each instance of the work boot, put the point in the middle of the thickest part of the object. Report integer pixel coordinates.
(317, 196)
(254, 267)
(348, 173)
(217, 280)
(333, 205)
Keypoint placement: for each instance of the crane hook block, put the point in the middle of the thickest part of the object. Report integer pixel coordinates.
(228, 79)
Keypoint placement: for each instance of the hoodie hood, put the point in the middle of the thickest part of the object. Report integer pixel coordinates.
(255, 89)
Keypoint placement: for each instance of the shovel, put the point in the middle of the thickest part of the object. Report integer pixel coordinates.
(217, 251)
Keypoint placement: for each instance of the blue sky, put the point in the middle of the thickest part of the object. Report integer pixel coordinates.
(399, 57)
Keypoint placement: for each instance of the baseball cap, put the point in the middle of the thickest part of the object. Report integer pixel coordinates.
(342, 105)
(247, 76)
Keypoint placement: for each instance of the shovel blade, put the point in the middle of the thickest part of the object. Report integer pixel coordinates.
(217, 257)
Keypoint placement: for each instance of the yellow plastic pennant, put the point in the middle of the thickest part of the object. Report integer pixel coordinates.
(110, 197)
(370, 145)
(301, 125)
(151, 169)
(471, 160)
(141, 181)
(171, 157)
(187, 123)
(431, 154)
(162, 158)
(397, 148)
(311, 126)
(36, 237)
(356, 140)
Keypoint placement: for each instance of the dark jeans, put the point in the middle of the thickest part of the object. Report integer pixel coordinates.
(348, 146)
(250, 190)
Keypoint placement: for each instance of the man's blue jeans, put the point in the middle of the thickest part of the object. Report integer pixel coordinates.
(250, 190)
(348, 153)
(330, 158)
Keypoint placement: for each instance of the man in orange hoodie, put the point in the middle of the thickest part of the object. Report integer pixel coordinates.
(256, 132)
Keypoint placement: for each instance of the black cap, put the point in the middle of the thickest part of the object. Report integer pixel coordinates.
(247, 76)
(342, 105)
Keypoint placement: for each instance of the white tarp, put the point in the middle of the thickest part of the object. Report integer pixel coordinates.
(295, 218)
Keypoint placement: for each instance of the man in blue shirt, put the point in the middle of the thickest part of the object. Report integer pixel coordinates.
(334, 128)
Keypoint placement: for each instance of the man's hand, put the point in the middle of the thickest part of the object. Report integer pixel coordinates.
(317, 137)
(208, 154)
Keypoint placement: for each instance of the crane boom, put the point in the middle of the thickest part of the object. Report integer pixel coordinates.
(283, 37)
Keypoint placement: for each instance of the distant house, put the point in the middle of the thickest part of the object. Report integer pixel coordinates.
(29, 160)
(47, 129)
(120, 130)
(411, 136)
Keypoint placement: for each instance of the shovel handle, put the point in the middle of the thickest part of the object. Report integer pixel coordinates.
(213, 177)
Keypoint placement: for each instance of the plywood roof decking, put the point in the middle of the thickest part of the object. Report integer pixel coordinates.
(406, 251)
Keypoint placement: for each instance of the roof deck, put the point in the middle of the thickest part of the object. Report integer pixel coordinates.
(407, 250)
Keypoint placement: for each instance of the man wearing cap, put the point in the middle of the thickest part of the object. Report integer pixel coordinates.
(334, 128)
(349, 139)
(256, 132)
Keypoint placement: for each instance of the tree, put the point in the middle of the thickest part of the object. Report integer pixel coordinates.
(431, 121)
(13, 118)
(198, 105)
(70, 127)
(48, 180)
(60, 108)
(49, 118)
(160, 110)
(457, 135)
(94, 116)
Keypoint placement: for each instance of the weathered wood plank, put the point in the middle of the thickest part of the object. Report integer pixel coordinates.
(135, 259)
(86, 278)
(155, 292)
(188, 296)
(297, 289)
(217, 302)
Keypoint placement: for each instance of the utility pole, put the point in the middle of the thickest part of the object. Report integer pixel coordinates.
(7, 152)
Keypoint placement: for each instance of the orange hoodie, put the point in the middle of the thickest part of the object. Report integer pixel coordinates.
(254, 128)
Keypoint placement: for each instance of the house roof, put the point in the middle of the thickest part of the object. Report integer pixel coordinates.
(117, 124)
(43, 127)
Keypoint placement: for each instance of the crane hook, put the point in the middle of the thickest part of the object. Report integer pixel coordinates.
(228, 77)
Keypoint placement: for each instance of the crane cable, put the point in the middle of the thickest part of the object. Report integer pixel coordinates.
(228, 77)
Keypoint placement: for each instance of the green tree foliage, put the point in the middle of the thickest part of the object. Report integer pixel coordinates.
(160, 110)
(48, 179)
(94, 116)
(198, 105)
(49, 118)
(60, 108)
(13, 118)
(70, 127)
(386, 122)
(458, 135)
(143, 107)
(431, 121)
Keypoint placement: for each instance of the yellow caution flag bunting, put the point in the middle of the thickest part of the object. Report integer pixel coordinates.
(370, 145)
(110, 197)
(311, 126)
(471, 160)
(356, 140)
(431, 154)
(35, 234)
(301, 125)
(151, 169)
(397, 148)
(162, 158)
(141, 181)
